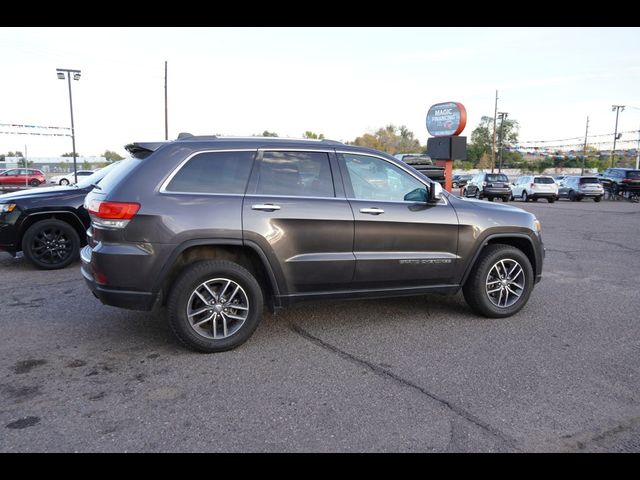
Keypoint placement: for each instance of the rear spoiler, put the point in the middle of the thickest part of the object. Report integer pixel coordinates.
(143, 149)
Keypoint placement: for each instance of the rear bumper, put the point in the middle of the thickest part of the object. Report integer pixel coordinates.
(496, 192)
(592, 193)
(544, 195)
(128, 299)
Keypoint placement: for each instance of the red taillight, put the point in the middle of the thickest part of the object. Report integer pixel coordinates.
(113, 210)
(626, 180)
(532, 185)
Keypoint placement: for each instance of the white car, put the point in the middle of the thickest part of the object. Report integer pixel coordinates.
(68, 178)
(533, 187)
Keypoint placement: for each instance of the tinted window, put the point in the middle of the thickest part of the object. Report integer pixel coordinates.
(214, 172)
(375, 179)
(589, 180)
(633, 174)
(496, 178)
(300, 174)
(543, 180)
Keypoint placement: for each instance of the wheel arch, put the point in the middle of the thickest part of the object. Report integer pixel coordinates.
(247, 255)
(520, 241)
(64, 215)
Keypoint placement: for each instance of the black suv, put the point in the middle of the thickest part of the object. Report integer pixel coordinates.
(215, 228)
(621, 180)
(489, 186)
(47, 224)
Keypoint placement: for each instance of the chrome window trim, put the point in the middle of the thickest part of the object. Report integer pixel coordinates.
(256, 195)
(367, 154)
(163, 186)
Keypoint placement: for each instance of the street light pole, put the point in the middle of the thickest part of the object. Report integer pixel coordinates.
(503, 116)
(76, 76)
(617, 108)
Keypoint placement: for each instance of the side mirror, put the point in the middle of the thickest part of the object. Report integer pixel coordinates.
(435, 193)
(417, 195)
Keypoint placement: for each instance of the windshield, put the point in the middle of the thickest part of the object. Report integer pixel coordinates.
(95, 178)
(543, 180)
(497, 178)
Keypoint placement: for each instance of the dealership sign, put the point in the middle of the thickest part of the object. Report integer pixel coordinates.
(446, 119)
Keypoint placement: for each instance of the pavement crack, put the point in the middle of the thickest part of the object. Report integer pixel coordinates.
(383, 372)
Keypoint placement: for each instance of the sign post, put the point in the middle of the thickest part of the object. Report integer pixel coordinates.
(445, 122)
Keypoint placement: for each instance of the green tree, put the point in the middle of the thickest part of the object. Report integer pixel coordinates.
(86, 165)
(24, 163)
(70, 154)
(390, 139)
(313, 135)
(111, 156)
(267, 133)
(14, 154)
(63, 166)
(482, 139)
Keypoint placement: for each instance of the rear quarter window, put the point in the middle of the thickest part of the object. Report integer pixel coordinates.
(118, 173)
(634, 174)
(214, 172)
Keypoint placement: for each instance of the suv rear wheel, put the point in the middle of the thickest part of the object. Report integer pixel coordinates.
(500, 282)
(525, 197)
(214, 306)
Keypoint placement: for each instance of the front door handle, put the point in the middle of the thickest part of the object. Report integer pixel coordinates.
(267, 207)
(372, 210)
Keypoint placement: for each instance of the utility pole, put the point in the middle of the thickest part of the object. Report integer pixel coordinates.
(493, 150)
(503, 116)
(584, 152)
(166, 111)
(617, 108)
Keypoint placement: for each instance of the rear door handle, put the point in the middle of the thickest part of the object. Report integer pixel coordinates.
(372, 210)
(267, 207)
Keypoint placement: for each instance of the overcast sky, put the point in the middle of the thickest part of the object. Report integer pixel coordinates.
(338, 81)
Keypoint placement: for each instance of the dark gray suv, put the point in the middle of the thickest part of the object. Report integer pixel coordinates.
(218, 228)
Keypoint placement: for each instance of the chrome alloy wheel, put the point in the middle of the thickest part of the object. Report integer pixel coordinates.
(217, 308)
(505, 283)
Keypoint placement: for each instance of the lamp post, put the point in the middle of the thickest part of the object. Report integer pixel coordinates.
(618, 109)
(76, 76)
(503, 116)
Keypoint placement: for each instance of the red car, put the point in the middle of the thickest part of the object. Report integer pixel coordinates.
(22, 176)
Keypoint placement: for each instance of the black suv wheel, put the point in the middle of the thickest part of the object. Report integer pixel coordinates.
(51, 244)
(214, 306)
(500, 282)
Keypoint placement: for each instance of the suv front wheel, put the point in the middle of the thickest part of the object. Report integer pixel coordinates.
(500, 282)
(215, 306)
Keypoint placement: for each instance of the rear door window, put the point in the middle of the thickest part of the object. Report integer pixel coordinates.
(297, 174)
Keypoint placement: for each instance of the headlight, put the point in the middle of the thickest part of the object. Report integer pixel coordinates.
(7, 207)
(537, 226)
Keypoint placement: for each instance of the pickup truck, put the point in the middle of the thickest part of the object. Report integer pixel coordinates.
(424, 165)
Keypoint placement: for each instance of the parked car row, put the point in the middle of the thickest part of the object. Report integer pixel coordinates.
(551, 188)
(34, 177)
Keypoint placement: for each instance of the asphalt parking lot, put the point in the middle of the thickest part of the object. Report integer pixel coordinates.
(404, 374)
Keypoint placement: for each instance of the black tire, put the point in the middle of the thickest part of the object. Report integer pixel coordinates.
(505, 199)
(615, 190)
(474, 288)
(464, 193)
(454, 185)
(534, 199)
(34, 183)
(51, 244)
(597, 199)
(578, 198)
(478, 195)
(572, 196)
(186, 284)
(525, 197)
(64, 181)
(490, 199)
(551, 199)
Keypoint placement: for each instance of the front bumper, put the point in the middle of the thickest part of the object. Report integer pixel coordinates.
(109, 296)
